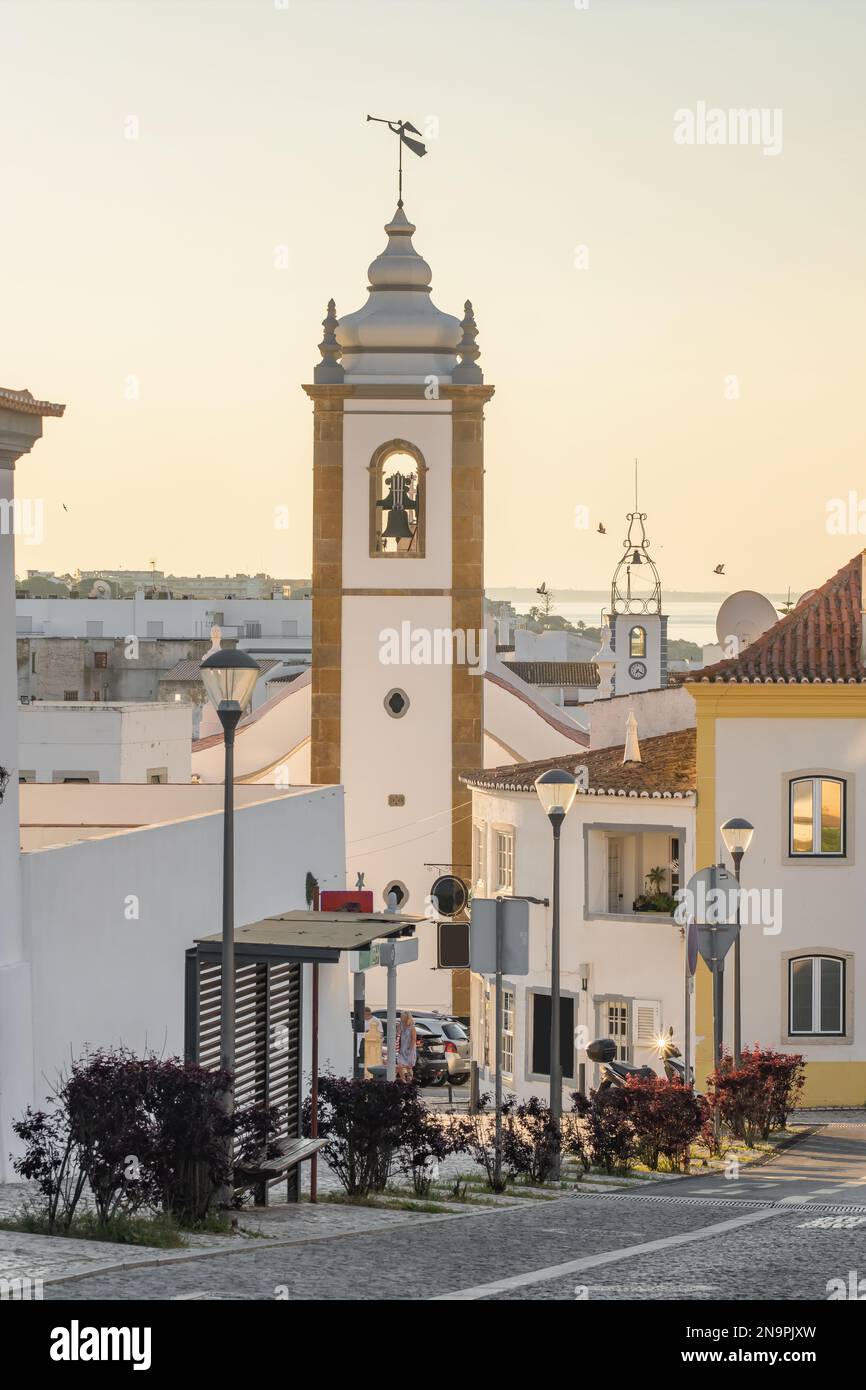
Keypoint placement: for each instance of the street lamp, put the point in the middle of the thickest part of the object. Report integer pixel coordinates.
(556, 791)
(737, 835)
(229, 678)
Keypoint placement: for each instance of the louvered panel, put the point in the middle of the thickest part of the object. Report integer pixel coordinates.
(267, 1035)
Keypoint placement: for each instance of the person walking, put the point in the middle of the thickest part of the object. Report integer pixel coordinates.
(372, 1042)
(407, 1047)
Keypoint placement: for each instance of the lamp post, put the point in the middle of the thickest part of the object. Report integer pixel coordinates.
(737, 835)
(556, 791)
(229, 678)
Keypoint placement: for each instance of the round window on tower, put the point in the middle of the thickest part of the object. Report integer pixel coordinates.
(396, 703)
(400, 892)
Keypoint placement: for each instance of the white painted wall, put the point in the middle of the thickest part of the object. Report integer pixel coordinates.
(118, 742)
(180, 618)
(822, 902)
(103, 977)
(274, 742)
(640, 958)
(657, 712)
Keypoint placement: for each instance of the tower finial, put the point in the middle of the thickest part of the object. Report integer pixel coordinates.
(329, 369)
(467, 369)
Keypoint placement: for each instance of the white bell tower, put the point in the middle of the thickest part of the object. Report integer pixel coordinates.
(398, 589)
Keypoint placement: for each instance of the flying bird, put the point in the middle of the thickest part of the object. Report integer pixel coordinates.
(64, 506)
(602, 530)
(720, 569)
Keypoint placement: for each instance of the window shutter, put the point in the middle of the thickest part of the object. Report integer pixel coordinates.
(647, 1016)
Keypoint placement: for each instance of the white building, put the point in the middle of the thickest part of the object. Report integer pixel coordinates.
(277, 627)
(133, 742)
(623, 965)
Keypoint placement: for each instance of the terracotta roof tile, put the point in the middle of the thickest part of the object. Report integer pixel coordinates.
(555, 672)
(667, 768)
(819, 640)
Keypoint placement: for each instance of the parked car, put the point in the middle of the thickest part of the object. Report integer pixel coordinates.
(431, 1066)
(443, 1036)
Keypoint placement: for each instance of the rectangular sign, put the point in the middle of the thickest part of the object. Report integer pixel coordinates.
(399, 951)
(515, 936)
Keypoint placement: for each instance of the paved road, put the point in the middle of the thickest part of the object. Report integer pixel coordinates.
(745, 1238)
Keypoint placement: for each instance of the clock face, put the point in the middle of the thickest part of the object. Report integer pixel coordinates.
(637, 670)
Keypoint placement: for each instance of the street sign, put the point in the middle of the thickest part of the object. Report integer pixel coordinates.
(399, 951)
(515, 936)
(714, 943)
(452, 946)
(364, 959)
(692, 948)
(710, 897)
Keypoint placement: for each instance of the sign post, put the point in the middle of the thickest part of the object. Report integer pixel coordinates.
(498, 945)
(391, 954)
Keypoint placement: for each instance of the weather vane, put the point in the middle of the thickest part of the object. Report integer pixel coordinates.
(399, 128)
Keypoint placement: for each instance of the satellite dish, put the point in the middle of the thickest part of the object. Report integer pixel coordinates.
(804, 598)
(101, 589)
(744, 616)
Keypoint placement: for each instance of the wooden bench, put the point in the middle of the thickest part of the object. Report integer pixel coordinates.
(258, 1176)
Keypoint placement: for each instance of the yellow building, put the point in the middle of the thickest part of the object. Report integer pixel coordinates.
(781, 742)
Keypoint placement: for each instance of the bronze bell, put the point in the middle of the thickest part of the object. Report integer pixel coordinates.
(398, 528)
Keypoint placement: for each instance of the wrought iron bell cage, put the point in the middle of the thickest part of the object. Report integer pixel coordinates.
(636, 589)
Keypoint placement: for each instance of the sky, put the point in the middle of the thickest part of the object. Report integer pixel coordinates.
(187, 182)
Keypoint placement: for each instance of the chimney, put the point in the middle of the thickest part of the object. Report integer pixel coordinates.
(631, 752)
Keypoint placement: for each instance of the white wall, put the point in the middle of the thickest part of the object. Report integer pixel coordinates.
(181, 618)
(103, 976)
(118, 742)
(657, 712)
(822, 902)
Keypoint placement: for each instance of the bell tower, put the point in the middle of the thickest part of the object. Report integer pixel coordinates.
(635, 645)
(398, 589)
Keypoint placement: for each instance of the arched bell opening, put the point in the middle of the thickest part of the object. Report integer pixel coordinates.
(397, 501)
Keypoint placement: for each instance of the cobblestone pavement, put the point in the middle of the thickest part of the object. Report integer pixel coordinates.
(702, 1238)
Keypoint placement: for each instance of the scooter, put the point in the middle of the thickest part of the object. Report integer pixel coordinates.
(674, 1071)
(613, 1073)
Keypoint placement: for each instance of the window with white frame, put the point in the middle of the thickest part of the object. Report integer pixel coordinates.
(508, 1031)
(637, 641)
(479, 834)
(504, 865)
(816, 996)
(817, 817)
(619, 1028)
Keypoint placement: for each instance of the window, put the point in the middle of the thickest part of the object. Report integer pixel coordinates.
(674, 865)
(396, 703)
(817, 816)
(71, 696)
(504, 861)
(33, 663)
(508, 1031)
(157, 776)
(541, 1035)
(154, 629)
(93, 629)
(617, 1023)
(100, 661)
(289, 627)
(614, 875)
(816, 996)
(397, 499)
(637, 642)
(478, 866)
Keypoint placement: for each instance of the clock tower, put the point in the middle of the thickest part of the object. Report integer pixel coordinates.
(398, 590)
(636, 646)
